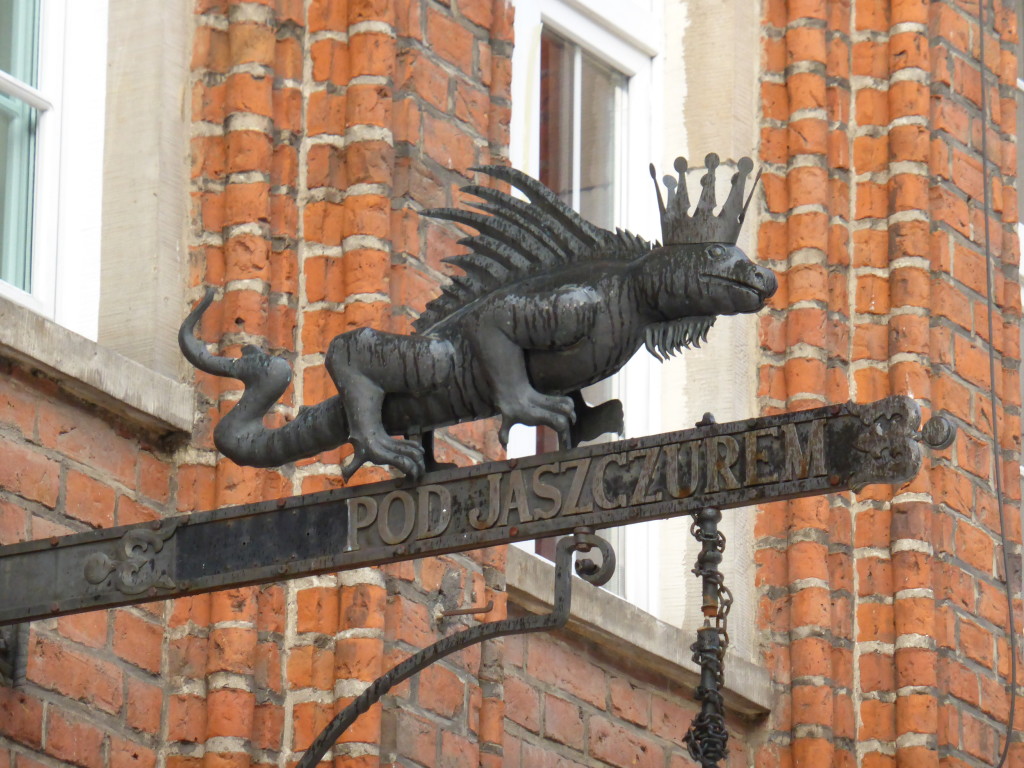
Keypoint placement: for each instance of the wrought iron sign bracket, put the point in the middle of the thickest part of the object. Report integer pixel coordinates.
(829, 449)
(581, 541)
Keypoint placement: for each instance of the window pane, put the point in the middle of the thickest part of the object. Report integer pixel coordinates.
(556, 98)
(600, 88)
(17, 160)
(19, 24)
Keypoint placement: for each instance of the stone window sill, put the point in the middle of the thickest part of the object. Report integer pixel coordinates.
(94, 373)
(601, 617)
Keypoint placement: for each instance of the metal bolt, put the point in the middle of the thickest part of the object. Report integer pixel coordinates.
(54, 607)
(834, 479)
(513, 531)
(54, 541)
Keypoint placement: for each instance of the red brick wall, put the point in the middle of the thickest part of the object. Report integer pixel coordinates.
(570, 702)
(92, 694)
(322, 129)
(883, 615)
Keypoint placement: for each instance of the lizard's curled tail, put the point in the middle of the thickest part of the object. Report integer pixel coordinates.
(241, 434)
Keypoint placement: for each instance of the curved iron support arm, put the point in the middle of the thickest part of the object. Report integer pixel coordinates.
(579, 542)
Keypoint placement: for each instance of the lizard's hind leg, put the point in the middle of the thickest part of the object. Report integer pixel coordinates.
(367, 364)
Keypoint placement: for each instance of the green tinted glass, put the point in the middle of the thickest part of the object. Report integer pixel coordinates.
(17, 162)
(19, 33)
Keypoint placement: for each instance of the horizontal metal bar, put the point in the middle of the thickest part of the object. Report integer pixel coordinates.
(720, 465)
(25, 92)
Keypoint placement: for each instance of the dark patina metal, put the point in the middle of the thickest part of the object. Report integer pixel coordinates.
(547, 304)
(707, 738)
(722, 465)
(585, 568)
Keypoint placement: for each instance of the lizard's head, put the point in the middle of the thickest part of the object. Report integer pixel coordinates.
(685, 286)
(706, 279)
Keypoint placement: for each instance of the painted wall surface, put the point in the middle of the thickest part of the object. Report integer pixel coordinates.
(319, 129)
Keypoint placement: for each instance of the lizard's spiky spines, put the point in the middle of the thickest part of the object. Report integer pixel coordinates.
(665, 339)
(523, 215)
(538, 194)
(486, 270)
(517, 240)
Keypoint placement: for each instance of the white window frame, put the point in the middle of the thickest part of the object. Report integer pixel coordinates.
(626, 36)
(68, 182)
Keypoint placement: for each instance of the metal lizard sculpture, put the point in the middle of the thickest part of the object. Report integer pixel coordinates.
(548, 304)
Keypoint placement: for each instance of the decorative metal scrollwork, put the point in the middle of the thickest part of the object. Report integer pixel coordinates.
(581, 541)
(134, 566)
(891, 442)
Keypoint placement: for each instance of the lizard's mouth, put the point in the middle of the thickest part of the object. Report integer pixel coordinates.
(743, 296)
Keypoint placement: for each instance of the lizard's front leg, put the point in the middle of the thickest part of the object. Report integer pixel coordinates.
(549, 321)
(366, 365)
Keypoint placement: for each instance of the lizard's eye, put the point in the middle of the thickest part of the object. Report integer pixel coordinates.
(715, 251)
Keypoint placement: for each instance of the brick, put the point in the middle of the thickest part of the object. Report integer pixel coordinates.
(30, 474)
(447, 144)
(130, 754)
(975, 547)
(458, 751)
(316, 610)
(249, 94)
(229, 712)
(89, 500)
(441, 691)
(87, 628)
(137, 641)
(251, 43)
(560, 666)
(73, 740)
(231, 649)
(372, 54)
(143, 705)
(186, 718)
(131, 511)
(21, 717)
(563, 721)
(18, 407)
(449, 40)
(58, 667)
(616, 745)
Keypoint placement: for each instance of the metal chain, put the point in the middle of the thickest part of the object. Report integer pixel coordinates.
(707, 738)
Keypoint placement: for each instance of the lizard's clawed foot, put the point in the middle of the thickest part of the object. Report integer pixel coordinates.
(535, 409)
(404, 455)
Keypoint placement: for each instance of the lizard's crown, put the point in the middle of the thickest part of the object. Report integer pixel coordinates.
(679, 226)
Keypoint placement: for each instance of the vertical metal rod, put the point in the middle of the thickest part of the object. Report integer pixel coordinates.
(707, 739)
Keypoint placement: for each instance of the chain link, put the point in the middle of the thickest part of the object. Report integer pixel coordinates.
(707, 738)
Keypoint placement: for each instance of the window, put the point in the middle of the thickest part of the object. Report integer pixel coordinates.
(20, 106)
(52, 99)
(577, 72)
(600, 90)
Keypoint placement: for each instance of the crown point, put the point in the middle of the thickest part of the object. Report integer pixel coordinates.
(680, 226)
(654, 173)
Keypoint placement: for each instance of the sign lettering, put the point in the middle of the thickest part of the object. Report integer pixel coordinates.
(718, 465)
